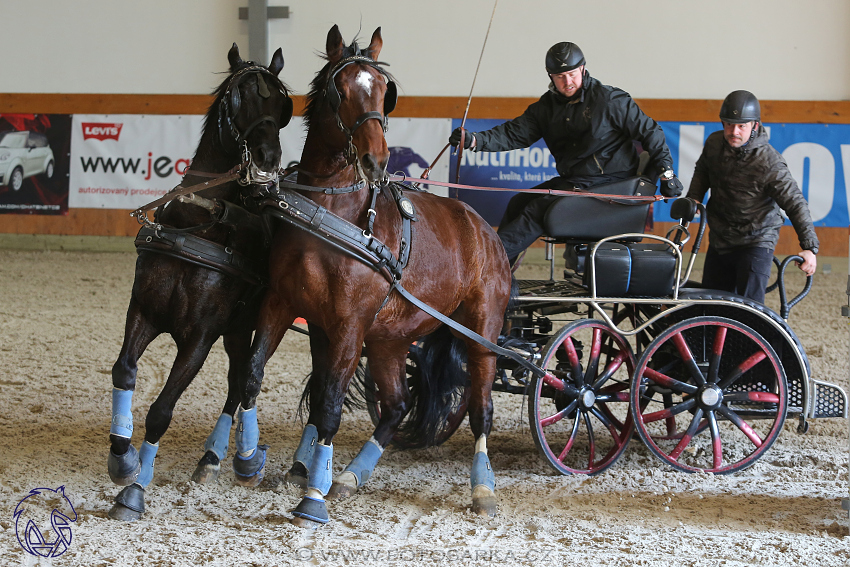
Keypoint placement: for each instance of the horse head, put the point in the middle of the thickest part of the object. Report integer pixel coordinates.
(360, 94)
(252, 105)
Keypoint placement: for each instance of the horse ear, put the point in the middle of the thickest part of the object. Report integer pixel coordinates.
(277, 62)
(233, 58)
(375, 46)
(334, 45)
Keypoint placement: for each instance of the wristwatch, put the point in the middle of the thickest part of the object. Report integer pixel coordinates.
(667, 174)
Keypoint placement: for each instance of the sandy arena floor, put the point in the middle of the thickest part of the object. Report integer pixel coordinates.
(62, 319)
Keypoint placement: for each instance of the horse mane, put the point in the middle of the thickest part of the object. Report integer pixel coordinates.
(316, 96)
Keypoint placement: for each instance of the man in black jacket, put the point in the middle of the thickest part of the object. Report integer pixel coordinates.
(749, 183)
(590, 129)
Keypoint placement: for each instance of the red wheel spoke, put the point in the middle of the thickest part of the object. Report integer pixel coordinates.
(572, 356)
(669, 412)
(591, 441)
(765, 397)
(612, 429)
(716, 443)
(742, 368)
(593, 360)
(688, 358)
(716, 354)
(689, 434)
(613, 365)
(742, 425)
(572, 438)
(668, 382)
(552, 419)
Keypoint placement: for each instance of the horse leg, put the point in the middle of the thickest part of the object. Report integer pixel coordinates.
(250, 459)
(329, 385)
(482, 369)
(388, 371)
(123, 461)
(130, 502)
(238, 347)
(297, 473)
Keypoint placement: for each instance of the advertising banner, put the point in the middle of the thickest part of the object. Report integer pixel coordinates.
(818, 156)
(34, 161)
(125, 161)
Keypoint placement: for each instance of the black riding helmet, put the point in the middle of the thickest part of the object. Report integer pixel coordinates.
(562, 57)
(740, 107)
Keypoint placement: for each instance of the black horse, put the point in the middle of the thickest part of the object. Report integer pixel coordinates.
(201, 266)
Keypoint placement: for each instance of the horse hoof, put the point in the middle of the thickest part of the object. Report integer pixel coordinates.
(129, 504)
(124, 469)
(208, 469)
(297, 476)
(484, 506)
(340, 490)
(305, 523)
(483, 501)
(250, 472)
(123, 514)
(310, 512)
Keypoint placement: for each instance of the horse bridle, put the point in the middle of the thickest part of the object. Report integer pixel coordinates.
(335, 100)
(231, 101)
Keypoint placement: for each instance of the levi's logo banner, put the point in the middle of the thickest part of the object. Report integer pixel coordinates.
(101, 130)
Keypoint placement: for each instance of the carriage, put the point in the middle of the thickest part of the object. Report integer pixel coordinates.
(622, 344)
(627, 344)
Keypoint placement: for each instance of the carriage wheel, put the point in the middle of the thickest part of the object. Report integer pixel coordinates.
(709, 394)
(579, 411)
(458, 411)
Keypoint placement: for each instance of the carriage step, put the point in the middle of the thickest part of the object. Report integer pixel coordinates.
(830, 400)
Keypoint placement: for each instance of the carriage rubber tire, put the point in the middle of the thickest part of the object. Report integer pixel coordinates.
(587, 396)
(49, 170)
(709, 395)
(373, 406)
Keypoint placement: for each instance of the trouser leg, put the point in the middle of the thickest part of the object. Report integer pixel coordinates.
(753, 269)
(719, 271)
(526, 227)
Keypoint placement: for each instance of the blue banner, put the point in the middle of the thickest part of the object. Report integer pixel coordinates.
(818, 156)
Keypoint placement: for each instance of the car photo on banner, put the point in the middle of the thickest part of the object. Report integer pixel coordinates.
(34, 150)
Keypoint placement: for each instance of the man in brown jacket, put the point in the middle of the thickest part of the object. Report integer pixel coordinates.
(749, 182)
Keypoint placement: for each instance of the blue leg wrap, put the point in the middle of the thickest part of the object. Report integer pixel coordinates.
(219, 439)
(304, 453)
(146, 455)
(321, 469)
(247, 430)
(482, 472)
(122, 415)
(364, 463)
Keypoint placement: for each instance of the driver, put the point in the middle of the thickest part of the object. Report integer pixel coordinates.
(590, 129)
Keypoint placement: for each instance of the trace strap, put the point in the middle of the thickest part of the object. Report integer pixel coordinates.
(180, 190)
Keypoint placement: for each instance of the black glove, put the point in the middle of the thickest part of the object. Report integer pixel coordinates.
(468, 137)
(671, 187)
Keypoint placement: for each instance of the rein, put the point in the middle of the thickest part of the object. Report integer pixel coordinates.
(603, 196)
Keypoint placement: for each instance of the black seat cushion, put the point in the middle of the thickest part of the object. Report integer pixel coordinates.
(626, 269)
(591, 218)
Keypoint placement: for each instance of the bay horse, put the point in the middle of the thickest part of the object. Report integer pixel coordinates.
(456, 265)
(200, 272)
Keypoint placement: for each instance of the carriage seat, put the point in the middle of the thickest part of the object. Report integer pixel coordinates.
(628, 268)
(588, 219)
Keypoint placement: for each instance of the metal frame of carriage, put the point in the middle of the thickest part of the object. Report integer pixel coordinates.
(706, 378)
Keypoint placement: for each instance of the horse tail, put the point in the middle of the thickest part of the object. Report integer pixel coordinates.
(439, 362)
(359, 392)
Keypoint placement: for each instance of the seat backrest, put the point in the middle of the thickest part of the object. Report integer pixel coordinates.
(591, 218)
